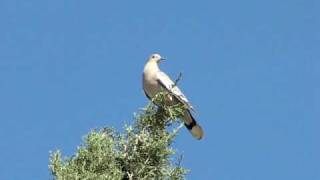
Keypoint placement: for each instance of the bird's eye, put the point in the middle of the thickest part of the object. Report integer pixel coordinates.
(153, 57)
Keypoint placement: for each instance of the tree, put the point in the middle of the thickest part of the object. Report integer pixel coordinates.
(143, 151)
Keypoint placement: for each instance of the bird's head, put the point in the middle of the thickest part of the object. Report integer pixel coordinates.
(156, 58)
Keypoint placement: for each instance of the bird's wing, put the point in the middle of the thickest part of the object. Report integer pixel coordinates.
(165, 81)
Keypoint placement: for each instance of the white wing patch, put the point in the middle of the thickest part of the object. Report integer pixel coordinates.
(170, 86)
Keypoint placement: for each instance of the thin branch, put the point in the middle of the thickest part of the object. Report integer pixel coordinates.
(178, 79)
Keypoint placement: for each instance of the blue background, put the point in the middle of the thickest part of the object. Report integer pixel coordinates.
(250, 68)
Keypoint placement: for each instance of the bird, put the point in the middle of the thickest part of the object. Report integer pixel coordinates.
(154, 81)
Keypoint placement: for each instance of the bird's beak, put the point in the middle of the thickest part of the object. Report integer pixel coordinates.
(162, 59)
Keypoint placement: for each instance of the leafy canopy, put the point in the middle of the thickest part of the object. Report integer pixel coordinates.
(143, 151)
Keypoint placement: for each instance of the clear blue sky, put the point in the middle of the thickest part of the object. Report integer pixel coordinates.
(250, 68)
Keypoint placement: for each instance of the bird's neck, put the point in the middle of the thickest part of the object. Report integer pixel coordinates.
(151, 66)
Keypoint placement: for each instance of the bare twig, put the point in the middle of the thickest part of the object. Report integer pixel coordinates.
(178, 79)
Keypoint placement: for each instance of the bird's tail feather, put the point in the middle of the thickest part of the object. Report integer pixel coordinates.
(192, 125)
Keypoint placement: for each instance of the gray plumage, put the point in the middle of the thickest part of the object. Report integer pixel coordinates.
(154, 80)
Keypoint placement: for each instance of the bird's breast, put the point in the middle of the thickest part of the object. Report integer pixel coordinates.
(150, 86)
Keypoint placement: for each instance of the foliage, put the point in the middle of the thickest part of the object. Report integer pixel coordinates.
(141, 152)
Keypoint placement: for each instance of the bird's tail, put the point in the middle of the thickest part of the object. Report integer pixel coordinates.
(192, 125)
